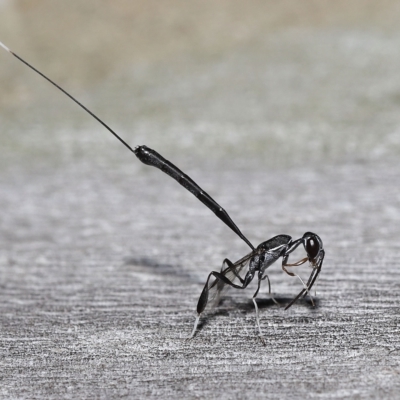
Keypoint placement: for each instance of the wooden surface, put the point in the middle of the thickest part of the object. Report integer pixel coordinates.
(291, 127)
(97, 298)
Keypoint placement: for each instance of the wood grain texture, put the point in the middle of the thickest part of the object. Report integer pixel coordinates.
(288, 117)
(96, 300)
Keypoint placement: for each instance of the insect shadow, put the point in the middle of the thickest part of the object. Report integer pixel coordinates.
(253, 264)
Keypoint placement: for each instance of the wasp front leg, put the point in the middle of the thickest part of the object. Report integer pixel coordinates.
(306, 287)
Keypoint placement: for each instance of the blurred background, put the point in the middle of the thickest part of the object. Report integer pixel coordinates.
(272, 83)
(286, 112)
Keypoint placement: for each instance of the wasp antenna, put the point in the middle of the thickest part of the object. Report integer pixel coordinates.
(67, 94)
(5, 47)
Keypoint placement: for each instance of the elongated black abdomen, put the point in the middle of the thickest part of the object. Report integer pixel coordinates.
(151, 157)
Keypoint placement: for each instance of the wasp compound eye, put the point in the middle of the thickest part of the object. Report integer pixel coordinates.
(312, 247)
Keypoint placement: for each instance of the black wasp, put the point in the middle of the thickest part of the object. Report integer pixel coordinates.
(256, 262)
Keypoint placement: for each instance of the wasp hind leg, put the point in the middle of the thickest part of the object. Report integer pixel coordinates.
(203, 299)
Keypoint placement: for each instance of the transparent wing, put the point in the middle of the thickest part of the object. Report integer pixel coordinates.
(232, 272)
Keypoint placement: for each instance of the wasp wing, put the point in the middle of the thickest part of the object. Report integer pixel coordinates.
(231, 272)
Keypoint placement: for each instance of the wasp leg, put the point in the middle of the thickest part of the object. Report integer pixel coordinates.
(260, 278)
(310, 283)
(269, 290)
(296, 264)
(295, 299)
(227, 266)
(231, 268)
(196, 322)
(306, 287)
(306, 290)
(203, 299)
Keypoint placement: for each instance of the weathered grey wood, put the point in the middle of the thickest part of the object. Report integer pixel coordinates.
(96, 300)
(102, 260)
